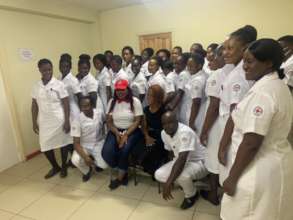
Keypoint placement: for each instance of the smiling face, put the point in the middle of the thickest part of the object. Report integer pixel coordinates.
(179, 64)
(46, 71)
(83, 69)
(153, 66)
(169, 123)
(255, 69)
(234, 50)
(193, 67)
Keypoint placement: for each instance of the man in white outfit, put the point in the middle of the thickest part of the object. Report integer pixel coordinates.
(88, 139)
(188, 162)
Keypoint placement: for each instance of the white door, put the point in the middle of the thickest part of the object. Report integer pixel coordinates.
(8, 147)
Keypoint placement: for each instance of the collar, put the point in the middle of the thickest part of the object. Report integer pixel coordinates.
(264, 80)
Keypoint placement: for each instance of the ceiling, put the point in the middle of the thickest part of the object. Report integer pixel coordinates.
(103, 5)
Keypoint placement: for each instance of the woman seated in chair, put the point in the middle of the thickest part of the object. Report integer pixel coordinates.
(124, 115)
(153, 152)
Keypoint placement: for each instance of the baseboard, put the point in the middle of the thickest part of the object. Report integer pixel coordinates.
(32, 155)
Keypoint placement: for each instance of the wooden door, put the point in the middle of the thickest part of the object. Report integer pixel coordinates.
(156, 41)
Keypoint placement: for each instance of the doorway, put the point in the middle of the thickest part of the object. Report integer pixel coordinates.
(156, 41)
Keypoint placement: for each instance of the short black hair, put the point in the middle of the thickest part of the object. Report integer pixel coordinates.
(100, 57)
(85, 98)
(178, 48)
(246, 34)
(84, 59)
(268, 50)
(117, 59)
(287, 39)
(109, 51)
(197, 58)
(128, 48)
(213, 46)
(150, 51)
(44, 61)
(168, 64)
(197, 44)
(65, 57)
(167, 52)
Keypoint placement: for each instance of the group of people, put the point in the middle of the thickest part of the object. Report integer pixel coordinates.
(223, 114)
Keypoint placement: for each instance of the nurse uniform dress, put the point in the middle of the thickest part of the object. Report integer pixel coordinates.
(264, 190)
(51, 114)
(234, 88)
(72, 86)
(104, 79)
(213, 89)
(195, 88)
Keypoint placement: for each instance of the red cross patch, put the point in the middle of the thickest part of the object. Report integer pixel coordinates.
(257, 111)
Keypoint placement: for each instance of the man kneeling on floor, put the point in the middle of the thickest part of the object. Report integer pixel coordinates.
(188, 162)
(88, 139)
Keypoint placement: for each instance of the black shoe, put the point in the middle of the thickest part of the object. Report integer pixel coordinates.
(87, 176)
(206, 195)
(52, 172)
(63, 172)
(189, 202)
(114, 184)
(99, 169)
(124, 181)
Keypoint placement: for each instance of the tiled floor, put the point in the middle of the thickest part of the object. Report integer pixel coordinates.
(24, 194)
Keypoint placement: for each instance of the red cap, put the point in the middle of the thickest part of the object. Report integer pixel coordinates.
(121, 84)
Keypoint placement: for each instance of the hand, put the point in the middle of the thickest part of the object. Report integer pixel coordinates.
(222, 156)
(169, 107)
(149, 141)
(36, 128)
(66, 127)
(204, 138)
(123, 140)
(229, 186)
(167, 188)
(118, 138)
(89, 161)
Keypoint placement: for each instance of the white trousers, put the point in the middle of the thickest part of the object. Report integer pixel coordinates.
(192, 171)
(79, 162)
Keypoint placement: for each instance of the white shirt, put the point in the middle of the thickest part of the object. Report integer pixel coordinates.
(183, 78)
(195, 88)
(88, 84)
(145, 70)
(160, 79)
(138, 84)
(233, 89)
(184, 140)
(288, 70)
(104, 80)
(267, 110)
(73, 87)
(122, 114)
(206, 67)
(173, 78)
(88, 129)
(215, 80)
(51, 113)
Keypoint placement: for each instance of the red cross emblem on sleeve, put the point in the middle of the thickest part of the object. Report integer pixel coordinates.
(257, 111)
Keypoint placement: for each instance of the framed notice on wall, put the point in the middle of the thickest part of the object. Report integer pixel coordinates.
(25, 54)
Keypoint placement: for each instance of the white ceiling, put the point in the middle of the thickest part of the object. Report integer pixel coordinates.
(102, 5)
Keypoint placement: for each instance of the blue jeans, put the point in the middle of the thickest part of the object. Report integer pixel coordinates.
(116, 157)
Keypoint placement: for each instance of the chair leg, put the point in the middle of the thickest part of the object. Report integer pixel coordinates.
(135, 176)
(159, 187)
